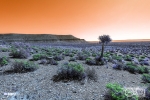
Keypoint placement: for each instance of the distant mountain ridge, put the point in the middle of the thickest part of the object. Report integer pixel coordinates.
(132, 40)
(12, 37)
(128, 40)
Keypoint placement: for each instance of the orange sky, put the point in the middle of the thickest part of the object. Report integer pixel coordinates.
(87, 19)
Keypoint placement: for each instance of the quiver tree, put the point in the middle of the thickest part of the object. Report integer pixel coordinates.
(104, 39)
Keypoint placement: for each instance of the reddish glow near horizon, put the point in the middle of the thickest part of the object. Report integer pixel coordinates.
(86, 19)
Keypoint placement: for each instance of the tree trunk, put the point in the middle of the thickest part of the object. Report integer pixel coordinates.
(102, 51)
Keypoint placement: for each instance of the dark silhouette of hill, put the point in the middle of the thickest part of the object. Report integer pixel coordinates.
(12, 37)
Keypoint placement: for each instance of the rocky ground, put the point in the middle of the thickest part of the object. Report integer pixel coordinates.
(38, 85)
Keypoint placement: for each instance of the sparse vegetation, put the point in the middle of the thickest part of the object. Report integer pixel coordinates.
(84, 61)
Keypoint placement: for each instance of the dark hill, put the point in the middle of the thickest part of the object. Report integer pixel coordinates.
(11, 37)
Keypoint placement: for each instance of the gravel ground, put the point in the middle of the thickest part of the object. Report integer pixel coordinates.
(38, 85)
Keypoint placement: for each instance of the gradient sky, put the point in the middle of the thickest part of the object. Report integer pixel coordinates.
(86, 19)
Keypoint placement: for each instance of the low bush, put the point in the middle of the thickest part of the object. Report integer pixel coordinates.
(119, 58)
(144, 63)
(3, 61)
(142, 69)
(142, 56)
(4, 49)
(72, 59)
(43, 61)
(23, 66)
(118, 66)
(117, 92)
(141, 59)
(147, 93)
(35, 49)
(39, 57)
(58, 57)
(66, 53)
(146, 78)
(128, 58)
(90, 61)
(91, 74)
(52, 62)
(70, 71)
(99, 61)
(132, 68)
(82, 57)
(19, 53)
(106, 55)
(93, 54)
(71, 55)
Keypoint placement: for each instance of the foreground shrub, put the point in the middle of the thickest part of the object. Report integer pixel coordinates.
(70, 71)
(146, 78)
(117, 92)
(23, 66)
(3, 61)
